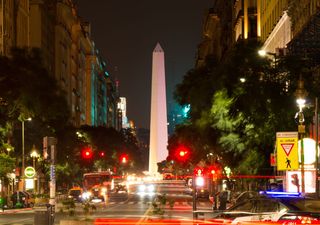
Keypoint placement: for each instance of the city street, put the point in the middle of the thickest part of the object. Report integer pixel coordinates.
(121, 205)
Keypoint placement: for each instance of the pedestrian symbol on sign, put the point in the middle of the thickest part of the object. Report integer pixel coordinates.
(288, 162)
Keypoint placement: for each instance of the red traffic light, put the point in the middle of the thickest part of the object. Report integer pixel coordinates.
(182, 153)
(295, 179)
(87, 153)
(198, 171)
(124, 158)
(102, 154)
(214, 172)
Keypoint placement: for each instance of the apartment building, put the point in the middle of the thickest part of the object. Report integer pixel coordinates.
(68, 53)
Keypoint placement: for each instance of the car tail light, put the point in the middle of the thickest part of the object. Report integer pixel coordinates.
(308, 220)
(299, 220)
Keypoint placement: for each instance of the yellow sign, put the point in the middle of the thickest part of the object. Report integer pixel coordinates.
(287, 151)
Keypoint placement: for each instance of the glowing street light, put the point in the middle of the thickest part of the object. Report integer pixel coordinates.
(34, 155)
(301, 94)
(22, 130)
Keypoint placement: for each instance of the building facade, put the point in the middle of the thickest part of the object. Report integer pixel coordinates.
(68, 52)
(7, 29)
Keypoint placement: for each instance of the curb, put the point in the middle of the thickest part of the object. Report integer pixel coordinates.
(12, 211)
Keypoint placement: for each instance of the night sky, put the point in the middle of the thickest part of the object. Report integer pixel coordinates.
(126, 32)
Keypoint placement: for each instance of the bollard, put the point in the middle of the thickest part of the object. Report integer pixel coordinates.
(42, 215)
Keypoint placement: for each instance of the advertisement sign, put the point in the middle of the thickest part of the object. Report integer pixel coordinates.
(287, 151)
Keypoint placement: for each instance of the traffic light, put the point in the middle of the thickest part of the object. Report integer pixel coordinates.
(198, 171)
(199, 177)
(124, 158)
(102, 154)
(213, 172)
(87, 153)
(182, 153)
(295, 180)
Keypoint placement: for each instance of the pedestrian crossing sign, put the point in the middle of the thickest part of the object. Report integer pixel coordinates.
(287, 151)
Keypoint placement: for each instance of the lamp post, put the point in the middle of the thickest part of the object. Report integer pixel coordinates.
(23, 165)
(34, 154)
(317, 145)
(301, 94)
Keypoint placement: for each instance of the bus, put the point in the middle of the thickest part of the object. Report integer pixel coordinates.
(98, 184)
(103, 178)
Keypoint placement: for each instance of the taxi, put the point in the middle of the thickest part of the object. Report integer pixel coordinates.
(75, 193)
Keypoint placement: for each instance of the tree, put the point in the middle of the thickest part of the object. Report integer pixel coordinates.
(7, 166)
(250, 101)
(27, 90)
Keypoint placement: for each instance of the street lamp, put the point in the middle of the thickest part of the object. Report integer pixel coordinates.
(301, 94)
(22, 130)
(264, 53)
(34, 154)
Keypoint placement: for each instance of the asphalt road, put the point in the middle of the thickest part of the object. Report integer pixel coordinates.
(121, 205)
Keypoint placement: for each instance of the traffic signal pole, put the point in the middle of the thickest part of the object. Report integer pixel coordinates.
(194, 198)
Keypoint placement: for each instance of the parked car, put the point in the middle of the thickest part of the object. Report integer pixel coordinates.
(280, 207)
(22, 199)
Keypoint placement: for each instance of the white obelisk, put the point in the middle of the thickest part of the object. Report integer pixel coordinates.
(158, 122)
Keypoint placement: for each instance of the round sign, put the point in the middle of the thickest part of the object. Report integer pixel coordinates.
(29, 172)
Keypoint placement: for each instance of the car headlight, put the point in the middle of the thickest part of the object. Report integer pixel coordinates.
(86, 195)
(104, 190)
(142, 188)
(150, 188)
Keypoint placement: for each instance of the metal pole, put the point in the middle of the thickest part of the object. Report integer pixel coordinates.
(22, 169)
(317, 144)
(34, 178)
(301, 131)
(194, 198)
(302, 163)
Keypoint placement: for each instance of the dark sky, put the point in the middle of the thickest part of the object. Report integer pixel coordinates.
(126, 32)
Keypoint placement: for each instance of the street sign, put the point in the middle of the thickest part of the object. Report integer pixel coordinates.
(273, 160)
(287, 151)
(29, 172)
(52, 172)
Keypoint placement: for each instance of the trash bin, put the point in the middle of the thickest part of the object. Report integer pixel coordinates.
(43, 215)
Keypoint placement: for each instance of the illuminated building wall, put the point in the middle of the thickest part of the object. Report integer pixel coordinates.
(7, 34)
(64, 64)
(42, 22)
(122, 106)
(245, 20)
(275, 25)
(22, 23)
(224, 24)
(68, 53)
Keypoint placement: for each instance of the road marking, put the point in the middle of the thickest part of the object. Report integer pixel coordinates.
(144, 217)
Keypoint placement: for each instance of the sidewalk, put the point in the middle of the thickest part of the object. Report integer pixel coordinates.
(12, 211)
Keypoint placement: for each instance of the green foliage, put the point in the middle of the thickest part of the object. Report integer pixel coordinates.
(69, 205)
(237, 120)
(27, 90)
(158, 205)
(88, 207)
(7, 164)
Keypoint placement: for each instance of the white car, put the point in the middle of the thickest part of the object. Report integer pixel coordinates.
(279, 207)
